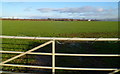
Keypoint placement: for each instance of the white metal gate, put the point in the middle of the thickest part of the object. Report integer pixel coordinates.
(52, 40)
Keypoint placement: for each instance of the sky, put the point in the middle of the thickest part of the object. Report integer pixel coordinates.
(59, 0)
(76, 10)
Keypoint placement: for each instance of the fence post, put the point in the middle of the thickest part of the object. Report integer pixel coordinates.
(53, 57)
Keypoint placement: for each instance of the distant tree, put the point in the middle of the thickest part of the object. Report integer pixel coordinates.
(49, 18)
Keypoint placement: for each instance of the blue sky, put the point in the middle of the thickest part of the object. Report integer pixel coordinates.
(93, 10)
(60, 0)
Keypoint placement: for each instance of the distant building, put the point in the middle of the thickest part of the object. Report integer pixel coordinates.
(89, 19)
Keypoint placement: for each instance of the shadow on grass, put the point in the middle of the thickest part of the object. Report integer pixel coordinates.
(110, 47)
(62, 61)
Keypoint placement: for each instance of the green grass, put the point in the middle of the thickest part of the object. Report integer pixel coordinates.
(90, 48)
(18, 45)
(60, 28)
(56, 29)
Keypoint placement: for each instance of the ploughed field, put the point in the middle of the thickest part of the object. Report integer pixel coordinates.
(60, 28)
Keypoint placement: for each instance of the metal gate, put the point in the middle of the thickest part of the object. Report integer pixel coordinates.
(52, 41)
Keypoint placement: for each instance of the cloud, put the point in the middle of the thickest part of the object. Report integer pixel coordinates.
(85, 11)
(27, 9)
(73, 10)
(45, 9)
(100, 9)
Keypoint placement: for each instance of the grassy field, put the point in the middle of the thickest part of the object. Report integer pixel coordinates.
(60, 28)
(18, 45)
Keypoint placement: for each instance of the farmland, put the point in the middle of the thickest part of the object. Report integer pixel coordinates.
(60, 28)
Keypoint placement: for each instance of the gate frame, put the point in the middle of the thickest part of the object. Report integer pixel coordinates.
(52, 40)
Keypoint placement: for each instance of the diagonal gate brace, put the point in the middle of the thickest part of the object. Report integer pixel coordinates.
(29, 51)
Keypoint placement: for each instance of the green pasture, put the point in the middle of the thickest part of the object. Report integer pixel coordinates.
(60, 28)
(110, 47)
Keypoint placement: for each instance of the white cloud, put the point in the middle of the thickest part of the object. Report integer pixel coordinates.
(45, 9)
(83, 12)
(100, 9)
(83, 9)
(27, 9)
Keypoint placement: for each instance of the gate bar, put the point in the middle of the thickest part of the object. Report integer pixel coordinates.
(29, 51)
(63, 54)
(53, 57)
(65, 68)
(56, 38)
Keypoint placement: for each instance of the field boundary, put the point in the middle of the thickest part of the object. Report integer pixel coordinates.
(53, 41)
